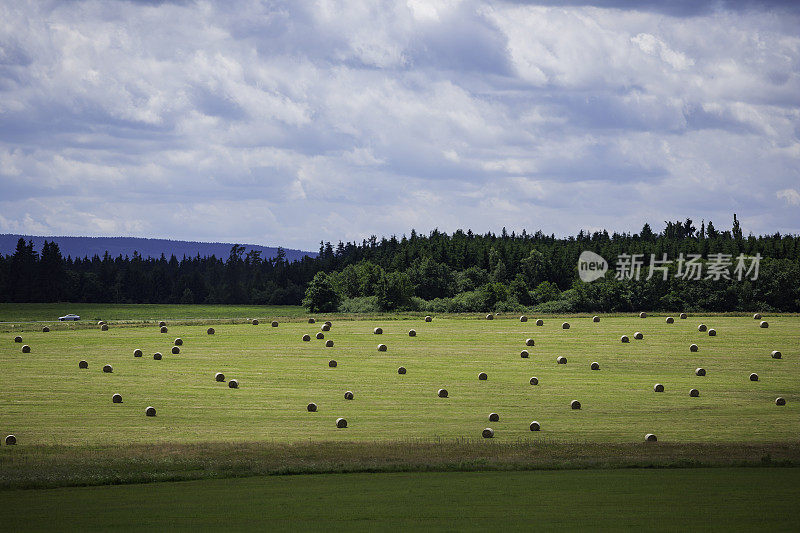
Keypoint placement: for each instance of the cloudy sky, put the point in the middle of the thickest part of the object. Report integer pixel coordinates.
(286, 123)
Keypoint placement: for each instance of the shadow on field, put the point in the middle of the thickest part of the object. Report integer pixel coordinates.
(58, 466)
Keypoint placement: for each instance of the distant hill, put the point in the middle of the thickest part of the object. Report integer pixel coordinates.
(89, 246)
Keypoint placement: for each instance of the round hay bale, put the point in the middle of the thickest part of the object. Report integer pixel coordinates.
(428, 318)
(401, 370)
(487, 433)
(412, 333)
(329, 343)
(565, 325)
(764, 324)
(483, 376)
(45, 330)
(150, 411)
(117, 398)
(164, 329)
(700, 371)
(320, 335)
(642, 315)
(311, 408)
(561, 360)
(157, 356)
(535, 426)
(624, 338)
(378, 331)
(176, 350)
(757, 316)
(210, 331)
(670, 320)
(83, 364)
(530, 342)
(776, 354)
(540, 322)
(26, 348)
(534, 381)
(650, 437)
(523, 318)
(161, 324)
(638, 336)
(17, 339)
(108, 369)
(341, 423)
(658, 387)
(490, 316)
(575, 404)
(712, 332)
(312, 321)
(494, 417)
(693, 348)
(595, 318)
(524, 354)
(332, 363)
(219, 377)
(137, 352)
(11, 440)
(381, 347)
(104, 327)
(595, 366)
(325, 327)
(178, 342)
(780, 401)
(348, 395)
(328, 323)
(753, 377)
(683, 316)
(233, 384)
(442, 393)
(254, 321)
(306, 338)
(701, 328)
(274, 324)
(694, 393)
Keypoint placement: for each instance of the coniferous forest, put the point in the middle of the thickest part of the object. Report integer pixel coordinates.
(438, 272)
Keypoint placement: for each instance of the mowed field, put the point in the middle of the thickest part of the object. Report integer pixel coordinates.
(46, 399)
(91, 313)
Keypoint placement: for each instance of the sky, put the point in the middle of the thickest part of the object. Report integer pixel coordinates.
(291, 122)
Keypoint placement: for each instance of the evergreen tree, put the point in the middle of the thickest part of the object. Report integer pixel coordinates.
(23, 273)
(459, 272)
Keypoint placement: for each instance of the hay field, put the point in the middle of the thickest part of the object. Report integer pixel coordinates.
(47, 400)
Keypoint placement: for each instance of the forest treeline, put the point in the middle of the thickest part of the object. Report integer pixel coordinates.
(437, 272)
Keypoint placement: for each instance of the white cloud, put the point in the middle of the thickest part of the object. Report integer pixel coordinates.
(286, 123)
(791, 196)
(654, 46)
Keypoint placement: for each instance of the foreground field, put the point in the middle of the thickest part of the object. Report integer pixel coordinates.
(47, 400)
(653, 500)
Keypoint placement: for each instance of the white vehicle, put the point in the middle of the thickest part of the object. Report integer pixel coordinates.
(69, 317)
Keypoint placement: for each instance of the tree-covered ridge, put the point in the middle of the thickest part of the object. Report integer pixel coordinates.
(27, 276)
(145, 247)
(435, 272)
